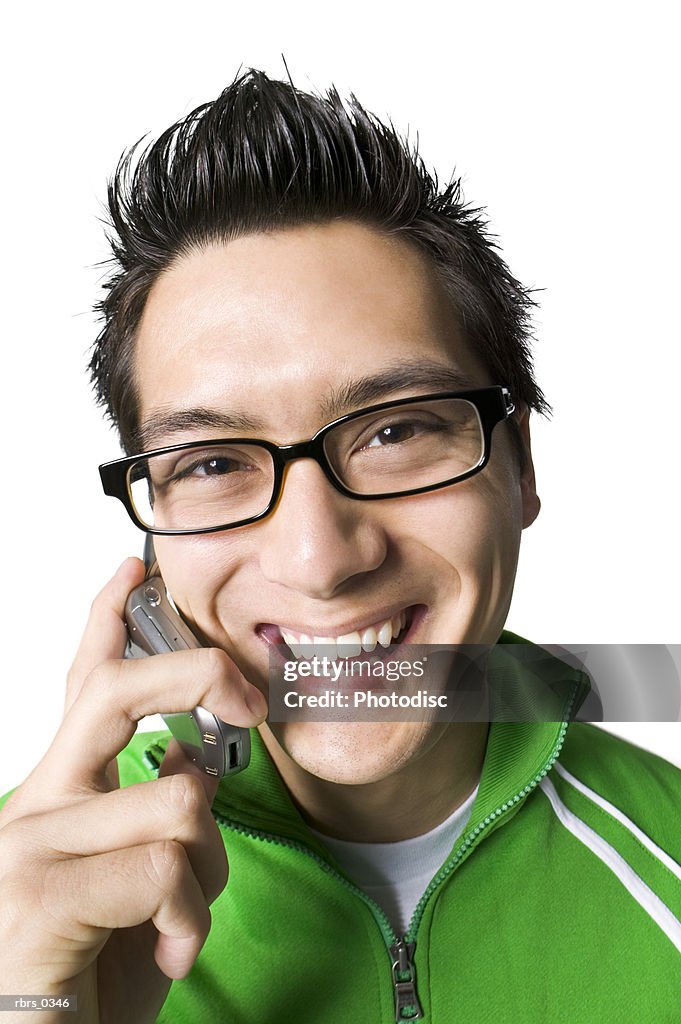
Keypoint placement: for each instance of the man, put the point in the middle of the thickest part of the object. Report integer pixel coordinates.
(286, 270)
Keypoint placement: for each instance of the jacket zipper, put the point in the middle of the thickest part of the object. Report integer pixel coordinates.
(401, 949)
(407, 1006)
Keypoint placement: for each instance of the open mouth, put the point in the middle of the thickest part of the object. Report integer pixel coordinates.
(378, 641)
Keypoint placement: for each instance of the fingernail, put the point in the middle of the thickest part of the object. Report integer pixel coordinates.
(256, 702)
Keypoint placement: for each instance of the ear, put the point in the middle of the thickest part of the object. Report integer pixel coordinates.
(528, 486)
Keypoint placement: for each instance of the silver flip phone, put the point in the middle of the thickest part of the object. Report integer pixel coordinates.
(156, 627)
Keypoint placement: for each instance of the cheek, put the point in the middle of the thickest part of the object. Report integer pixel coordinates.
(469, 525)
(194, 569)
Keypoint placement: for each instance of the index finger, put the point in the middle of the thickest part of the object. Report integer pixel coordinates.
(118, 694)
(105, 634)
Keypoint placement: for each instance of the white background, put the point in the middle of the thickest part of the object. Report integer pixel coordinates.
(562, 120)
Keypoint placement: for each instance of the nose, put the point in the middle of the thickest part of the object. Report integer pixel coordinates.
(317, 539)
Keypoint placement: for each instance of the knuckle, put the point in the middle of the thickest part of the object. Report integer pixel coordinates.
(97, 678)
(15, 846)
(214, 662)
(166, 863)
(103, 678)
(100, 601)
(13, 807)
(184, 793)
(22, 894)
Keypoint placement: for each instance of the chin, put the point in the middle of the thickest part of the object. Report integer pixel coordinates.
(352, 753)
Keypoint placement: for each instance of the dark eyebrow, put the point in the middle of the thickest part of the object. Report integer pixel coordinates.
(416, 373)
(350, 395)
(162, 424)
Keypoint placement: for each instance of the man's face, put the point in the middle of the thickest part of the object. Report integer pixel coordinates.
(272, 328)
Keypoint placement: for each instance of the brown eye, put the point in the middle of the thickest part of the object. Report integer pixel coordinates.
(393, 434)
(215, 466)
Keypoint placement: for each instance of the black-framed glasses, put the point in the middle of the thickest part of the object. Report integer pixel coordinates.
(389, 450)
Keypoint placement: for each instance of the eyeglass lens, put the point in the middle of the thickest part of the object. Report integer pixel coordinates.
(386, 451)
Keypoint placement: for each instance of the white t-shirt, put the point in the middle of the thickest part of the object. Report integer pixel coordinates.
(395, 875)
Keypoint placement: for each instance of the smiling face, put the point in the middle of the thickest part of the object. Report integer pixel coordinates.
(281, 333)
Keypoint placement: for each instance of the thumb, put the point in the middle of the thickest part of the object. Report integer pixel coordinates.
(176, 762)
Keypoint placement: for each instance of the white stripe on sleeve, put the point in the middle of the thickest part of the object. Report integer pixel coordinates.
(622, 818)
(635, 886)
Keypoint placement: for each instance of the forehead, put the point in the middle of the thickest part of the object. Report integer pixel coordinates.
(270, 325)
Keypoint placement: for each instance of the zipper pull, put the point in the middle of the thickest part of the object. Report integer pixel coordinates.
(407, 1006)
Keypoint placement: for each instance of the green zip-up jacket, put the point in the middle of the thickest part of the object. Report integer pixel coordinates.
(560, 902)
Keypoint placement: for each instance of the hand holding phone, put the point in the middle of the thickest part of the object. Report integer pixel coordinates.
(155, 627)
(120, 879)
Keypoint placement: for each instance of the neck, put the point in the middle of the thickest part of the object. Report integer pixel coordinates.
(407, 803)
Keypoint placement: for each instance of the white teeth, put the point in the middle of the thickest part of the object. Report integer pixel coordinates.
(293, 644)
(369, 639)
(306, 645)
(385, 634)
(350, 644)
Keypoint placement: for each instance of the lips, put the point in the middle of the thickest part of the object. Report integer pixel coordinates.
(385, 633)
